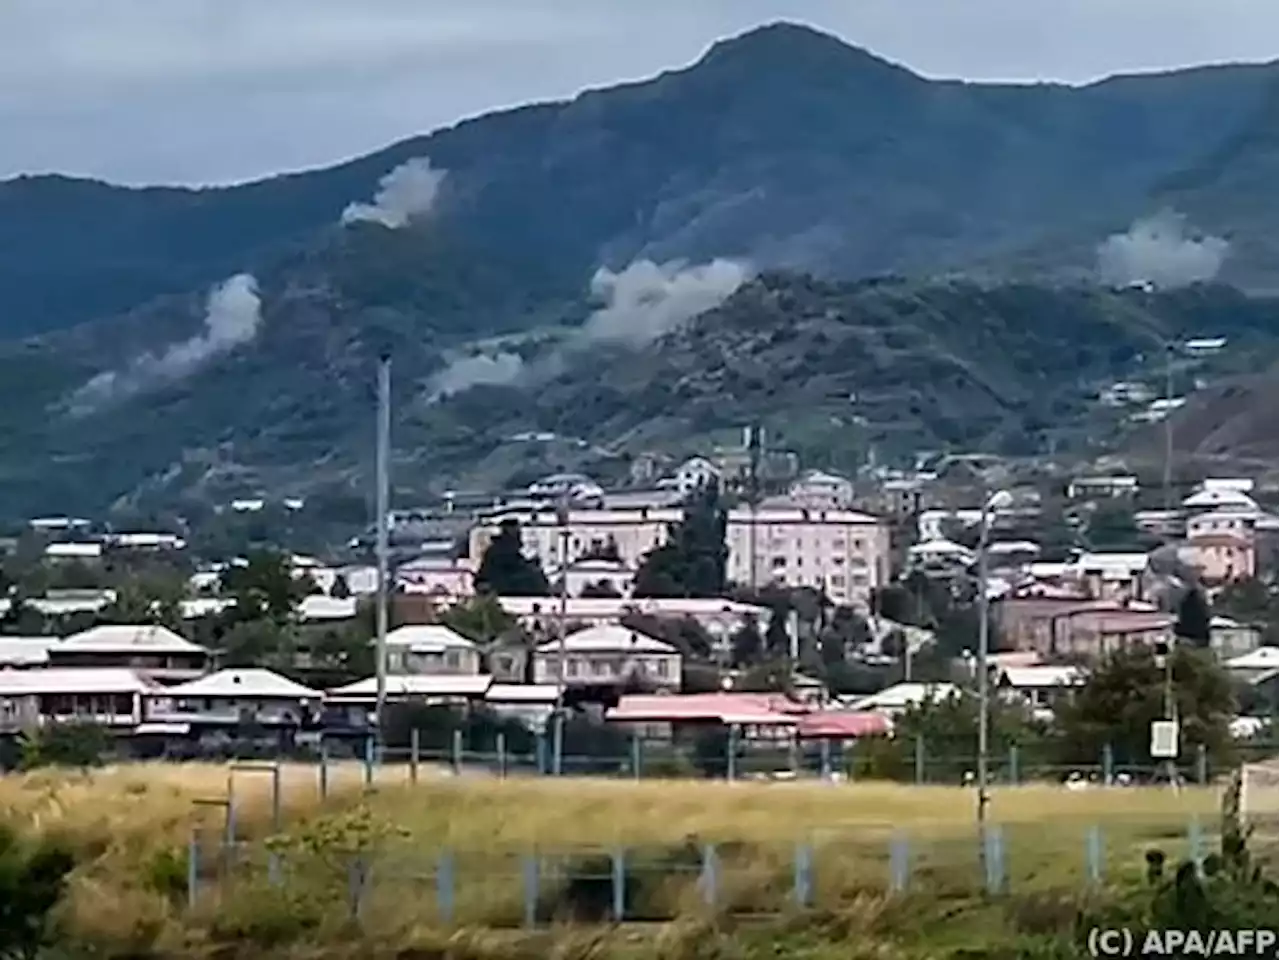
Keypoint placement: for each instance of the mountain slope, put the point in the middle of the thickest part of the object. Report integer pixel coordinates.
(783, 145)
(829, 367)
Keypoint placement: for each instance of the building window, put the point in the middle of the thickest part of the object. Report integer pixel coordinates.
(662, 667)
(778, 562)
(571, 667)
(452, 659)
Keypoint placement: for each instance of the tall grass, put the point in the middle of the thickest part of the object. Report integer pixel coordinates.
(131, 826)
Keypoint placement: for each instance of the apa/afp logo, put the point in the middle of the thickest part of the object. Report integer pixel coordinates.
(1123, 942)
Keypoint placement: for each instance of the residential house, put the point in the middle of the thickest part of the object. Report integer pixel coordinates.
(1220, 498)
(441, 576)
(74, 550)
(899, 697)
(1094, 632)
(570, 487)
(154, 651)
(1112, 576)
(236, 696)
(689, 476)
(1220, 557)
(1204, 346)
(21, 653)
(1040, 688)
(632, 533)
(1081, 488)
(1230, 638)
(842, 553)
(940, 556)
(607, 655)
(593, 575)
(354, 703)
(1043, 623)
(143, 541)
(822, 490)
(109, 696)
(431, 649)
(1161, 523)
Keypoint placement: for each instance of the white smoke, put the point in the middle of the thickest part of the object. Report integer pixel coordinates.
(641, 303)
(1158, 250)
(647, 300)
(407, 192)
(474, 371)
(233, 313)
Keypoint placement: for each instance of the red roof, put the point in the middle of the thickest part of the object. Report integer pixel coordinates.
(844, 723)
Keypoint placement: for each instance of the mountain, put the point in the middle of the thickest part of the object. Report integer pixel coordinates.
(831, 368)
(534, 270)
(783, 145)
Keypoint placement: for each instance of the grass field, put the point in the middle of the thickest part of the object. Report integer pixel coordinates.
(132, 827)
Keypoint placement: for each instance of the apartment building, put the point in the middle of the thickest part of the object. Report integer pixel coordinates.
(841, 552)
(629, 533)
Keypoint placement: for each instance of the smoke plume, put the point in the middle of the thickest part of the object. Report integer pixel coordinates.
(474, 371)
(639, 304)
(1158, 250)
(233, 313)
(647, 300)
(407, 192)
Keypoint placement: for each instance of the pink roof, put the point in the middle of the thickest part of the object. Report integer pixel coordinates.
(746, 708)
(845, 723)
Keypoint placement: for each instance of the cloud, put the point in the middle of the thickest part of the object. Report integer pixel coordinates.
(1158, 250)
(233, 314)
(480, 369)
(407, 192)
(646, 300)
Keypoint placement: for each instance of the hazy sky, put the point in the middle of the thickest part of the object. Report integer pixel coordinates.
(198, 91)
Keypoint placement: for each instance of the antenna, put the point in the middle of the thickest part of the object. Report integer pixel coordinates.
(383, 510)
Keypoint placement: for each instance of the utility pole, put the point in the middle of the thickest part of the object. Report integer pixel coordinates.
(1168, 426)
(383, 511)
(557, 722)
(753, 496)
(984, 641)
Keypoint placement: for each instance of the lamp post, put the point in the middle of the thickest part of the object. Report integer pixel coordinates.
(997, 501)
(557, 728)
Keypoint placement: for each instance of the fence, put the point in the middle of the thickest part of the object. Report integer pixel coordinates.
(918, 762)
(535, 887)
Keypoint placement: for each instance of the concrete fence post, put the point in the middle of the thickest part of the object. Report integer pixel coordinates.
(803, 875)
(445, 888)
(899, 862)
(415, 752)
(1093, 854)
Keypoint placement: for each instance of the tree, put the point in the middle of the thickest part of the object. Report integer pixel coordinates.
(69, 744)
(480, 619)
(340, 590)
(146, 601)
(33, 877)
(504, 569)
(1194, 624)
(746, 644)
(777, 636)
(1112, 527)
(1250, 601)
(692, 561)
(1124, 693)
(265, 589)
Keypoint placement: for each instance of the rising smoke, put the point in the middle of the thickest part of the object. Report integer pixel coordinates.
(1158, 250)
(407, 192)
(233, 313)
(639, 304)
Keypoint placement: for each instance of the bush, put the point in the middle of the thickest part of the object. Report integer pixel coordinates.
(33, 878)
(70, 744)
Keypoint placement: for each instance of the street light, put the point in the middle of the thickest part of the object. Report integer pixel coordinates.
(999, 500)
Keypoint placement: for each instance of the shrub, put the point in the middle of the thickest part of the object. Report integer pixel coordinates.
(33, 878)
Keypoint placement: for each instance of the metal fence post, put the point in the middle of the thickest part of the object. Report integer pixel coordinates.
(824, 755)
(1202, 764)
(619, 873)
(415, 746)
(324, 769)
(920, 773)
(710, 879)
(803, 875)
(445, 887)
(899, 862)
(369, 761)
(193, 869)
(1108, 765)
(1013, 764)
(993, 839)
(557, 741)
(1093, 854)
(500, 745)
(356, 880)
(1195, 843)
(637, 752)
(793, 754)
(456, 752)
(731, 764)
(530, 875)
(540, 752)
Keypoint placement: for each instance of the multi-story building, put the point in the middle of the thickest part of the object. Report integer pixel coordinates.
(822, 490)
(627, 533)
(843, 553)
(607, 655)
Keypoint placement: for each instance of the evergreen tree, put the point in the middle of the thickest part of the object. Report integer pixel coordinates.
(1194, 619)
(504, 569)
(692, 561)
(746, 644)
(777, 639)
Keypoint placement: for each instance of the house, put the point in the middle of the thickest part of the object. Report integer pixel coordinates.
(1230, 638)
(1204, 346)
(1039, 688)
(823, 490)
(607, 655)
(156, 652)
(108, 696)
(354, 703)
(19, 653)
(841, 553)
(693, 473)
(629, 532)
(939, 554)
(1092, 632)
(903, 696)
(235, 696)
(1081, 488)
(74, 550)
(143, 541)
(1220, 557)
(1112, 576)
(1256, 664)
(595, 575)
(441, 576)
(431, 649)
(571, 487)
(1218, 498)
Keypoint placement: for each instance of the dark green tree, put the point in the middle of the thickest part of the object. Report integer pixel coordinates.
(480, 619)
(504, 569)
(33, 877)
(692, 561)
(1194, 619)
(70, 744)
(777, 636)
(264, 588)
(1112, 527)
(746, 644)
(340, 590)
(1124, 693)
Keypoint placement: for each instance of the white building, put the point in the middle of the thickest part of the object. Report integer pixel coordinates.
(693, 473)
(608, 655)
(631, 532)
(1120, 486)
(431, 649)
(156, 652)
(586, 575)
(1219, 498)
(236, 695)
(441, 576)
(107, 696)
(822, 490)
(843, 553)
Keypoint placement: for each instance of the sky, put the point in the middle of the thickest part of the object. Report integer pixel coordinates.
(218, 91)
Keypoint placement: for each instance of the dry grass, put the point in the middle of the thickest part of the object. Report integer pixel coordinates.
(123, 819)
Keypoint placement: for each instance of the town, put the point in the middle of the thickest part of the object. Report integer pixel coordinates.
(799, 611)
